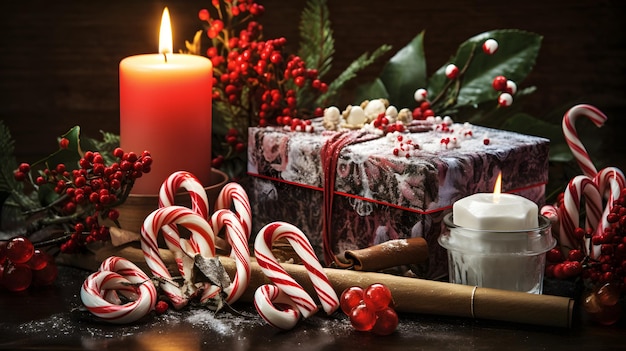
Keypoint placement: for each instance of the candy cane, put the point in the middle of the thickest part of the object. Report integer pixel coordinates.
(117, 275)
(569, 212)
(298, 298)
(571, 136)
(610, 182)
(552, 213)
(201, 242)
(240, 252)
(234, 195)
(186, 180)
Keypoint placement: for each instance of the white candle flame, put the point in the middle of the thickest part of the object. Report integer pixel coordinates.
(165, 34)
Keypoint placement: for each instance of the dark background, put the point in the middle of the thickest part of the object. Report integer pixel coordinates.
(59, 59)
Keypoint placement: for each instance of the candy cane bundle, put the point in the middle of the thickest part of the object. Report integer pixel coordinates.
(200, 242)
(288, 292)
(595, 186)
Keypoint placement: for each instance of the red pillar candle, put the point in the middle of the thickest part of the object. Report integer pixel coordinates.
(165, 108)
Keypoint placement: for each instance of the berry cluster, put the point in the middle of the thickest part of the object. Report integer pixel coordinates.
(22, 265)
(610, 266)
(383, 123)
(370, 309)
(507, 89)
(424, 109)
(255, 80)
(233, 143)
(87, 193)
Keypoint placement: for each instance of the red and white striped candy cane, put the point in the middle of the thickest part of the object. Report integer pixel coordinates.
(610, 181)
(569, 212)
(201, 242)
(571, 136)
(300, 300)
(240, 252)
(552, 213)
(199, 205)
(117, 275)
(189, 182)
(233, 194)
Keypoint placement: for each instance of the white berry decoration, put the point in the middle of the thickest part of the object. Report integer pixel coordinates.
(452, 71)
(505, 100)
(420, 95)
(511, 87)
(490, 46)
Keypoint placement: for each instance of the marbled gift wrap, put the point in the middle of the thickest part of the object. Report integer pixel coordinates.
(379, 196)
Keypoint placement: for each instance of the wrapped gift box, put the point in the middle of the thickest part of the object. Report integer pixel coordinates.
(379, 196)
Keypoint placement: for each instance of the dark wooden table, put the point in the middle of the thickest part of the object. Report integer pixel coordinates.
(52, 319)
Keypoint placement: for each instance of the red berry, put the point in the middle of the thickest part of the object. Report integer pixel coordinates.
(554, 255)
(386, 322)
(46, 276)
(19, 176)
(362, 318)
(575, 255)
(64, 143)
(24, 167)
(377, 297)
(572, 269)
(350, 298)
(161, 307)
(20, 250)
(499, 83)
(203, 14)
(17, 276)
(40, 260)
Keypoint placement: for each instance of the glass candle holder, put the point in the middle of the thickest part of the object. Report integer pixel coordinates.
(508, 260)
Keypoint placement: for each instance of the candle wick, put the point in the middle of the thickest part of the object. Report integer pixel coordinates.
(165, 56)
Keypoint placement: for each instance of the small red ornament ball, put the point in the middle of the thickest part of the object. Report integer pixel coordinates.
(20, 250)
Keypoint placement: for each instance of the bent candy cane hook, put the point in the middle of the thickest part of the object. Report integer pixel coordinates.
(201, 242)
(287, 291)
(569, 212)
(118, 276)
(571, 136)
(233, 194)
(189, 182)
(240, 252)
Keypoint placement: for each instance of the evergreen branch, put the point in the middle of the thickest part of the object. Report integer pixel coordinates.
(317, 44)
(7, 160)
(8, 164)
(351, 72)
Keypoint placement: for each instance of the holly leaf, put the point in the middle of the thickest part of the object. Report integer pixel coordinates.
(68, 156)
(369, 90)
(401, 76)
(514, 59)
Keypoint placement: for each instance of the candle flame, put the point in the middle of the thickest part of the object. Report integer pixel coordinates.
(165, 34)
(497, 188)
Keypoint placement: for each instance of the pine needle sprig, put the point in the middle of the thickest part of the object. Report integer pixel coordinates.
(350, 72)
(8, 165)
(317, 45)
